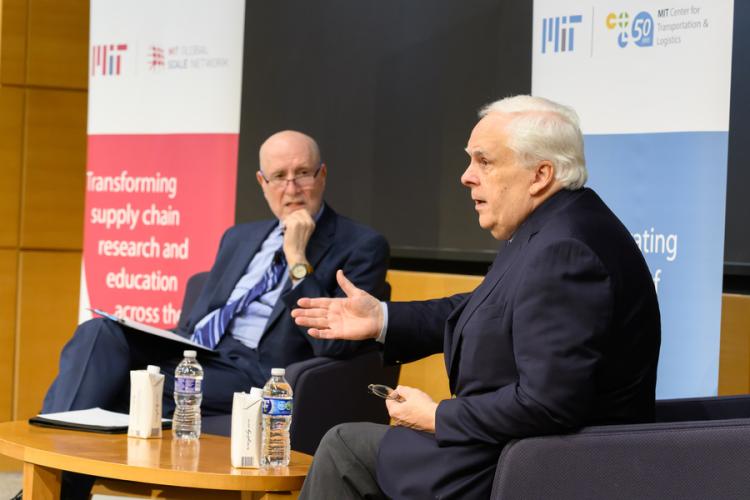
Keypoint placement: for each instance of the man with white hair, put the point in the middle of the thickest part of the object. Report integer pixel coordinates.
(563, 332)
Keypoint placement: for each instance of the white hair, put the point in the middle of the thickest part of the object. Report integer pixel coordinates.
(540, 129)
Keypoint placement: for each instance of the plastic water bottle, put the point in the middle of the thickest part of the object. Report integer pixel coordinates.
(188, 378)
(277, 417)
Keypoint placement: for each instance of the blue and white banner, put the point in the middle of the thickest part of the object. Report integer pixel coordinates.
(651, 85)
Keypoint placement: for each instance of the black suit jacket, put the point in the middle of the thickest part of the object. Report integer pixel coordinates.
(563, 332)
(337, 243)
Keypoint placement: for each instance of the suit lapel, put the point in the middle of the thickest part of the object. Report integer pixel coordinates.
(322, 238)
(241, 259)
(319, 243)
(502, 263)
(242, 251)
(450, 328)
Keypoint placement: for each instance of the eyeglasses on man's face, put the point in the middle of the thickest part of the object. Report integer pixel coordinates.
(302, 177)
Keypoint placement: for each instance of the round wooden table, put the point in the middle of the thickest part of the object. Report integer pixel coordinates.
(204, 463)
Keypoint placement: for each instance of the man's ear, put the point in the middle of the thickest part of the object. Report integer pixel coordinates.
(544, 177)
(260, 178)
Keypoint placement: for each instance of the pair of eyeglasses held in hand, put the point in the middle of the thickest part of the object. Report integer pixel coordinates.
(385, 392)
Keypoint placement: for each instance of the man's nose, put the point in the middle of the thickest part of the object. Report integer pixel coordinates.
(291, 185)
(469, 178)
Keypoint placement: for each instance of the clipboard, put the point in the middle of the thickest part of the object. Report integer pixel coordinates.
(89, 420)
(151, 330)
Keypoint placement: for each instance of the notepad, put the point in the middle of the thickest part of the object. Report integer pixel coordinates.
(152, 330)
(90, 420)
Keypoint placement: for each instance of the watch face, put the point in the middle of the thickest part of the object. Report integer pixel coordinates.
(299, 271)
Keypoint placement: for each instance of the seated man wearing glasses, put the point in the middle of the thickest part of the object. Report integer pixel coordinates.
(261, 270)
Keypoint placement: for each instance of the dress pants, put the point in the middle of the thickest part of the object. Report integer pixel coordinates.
(344, 466)
(95, 369)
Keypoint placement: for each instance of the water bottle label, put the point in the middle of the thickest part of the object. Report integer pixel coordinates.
(277, 407)
(187, 385)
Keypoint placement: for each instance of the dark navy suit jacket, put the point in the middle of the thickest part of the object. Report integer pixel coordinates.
(563, 332)
(337, 243)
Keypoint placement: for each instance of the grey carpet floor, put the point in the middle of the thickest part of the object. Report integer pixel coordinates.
(10, 483)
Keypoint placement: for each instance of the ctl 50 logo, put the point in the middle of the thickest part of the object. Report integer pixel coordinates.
(106, 60)
(640, 31)
(559, 33)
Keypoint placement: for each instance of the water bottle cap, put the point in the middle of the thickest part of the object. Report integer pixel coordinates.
(278, 372)
(153, 369)
(190, 354)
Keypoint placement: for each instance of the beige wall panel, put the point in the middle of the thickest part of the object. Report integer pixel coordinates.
(55, 169)
(58, 43)
(13, 42)
(734, 361)
(8, 280)
(48, 313)
(428, 374)
(411, 285)
(11, 146)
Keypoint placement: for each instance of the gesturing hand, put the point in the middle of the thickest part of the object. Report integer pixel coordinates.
(356, 317)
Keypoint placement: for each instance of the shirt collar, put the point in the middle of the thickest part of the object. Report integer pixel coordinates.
(320, 212)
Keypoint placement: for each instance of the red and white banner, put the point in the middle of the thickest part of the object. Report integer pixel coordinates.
(163, 126)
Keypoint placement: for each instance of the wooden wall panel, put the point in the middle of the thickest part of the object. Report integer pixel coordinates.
(8, 288)
(428, 374)
(48, 314)
(58, 43)
(13, 42)
(734, 360)
(411, 285)
(11, 145)
(55, 170)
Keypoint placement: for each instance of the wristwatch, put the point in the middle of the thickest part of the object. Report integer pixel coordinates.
(299, 271)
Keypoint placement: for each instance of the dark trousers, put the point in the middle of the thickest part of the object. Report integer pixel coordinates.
(95, 369)
(345, 463)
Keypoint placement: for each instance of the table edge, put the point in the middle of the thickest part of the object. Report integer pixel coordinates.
(168, 477)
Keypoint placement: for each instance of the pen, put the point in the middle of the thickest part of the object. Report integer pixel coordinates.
(105, 314)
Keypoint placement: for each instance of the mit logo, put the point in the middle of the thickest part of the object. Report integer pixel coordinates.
(106, 59)
(560, 32)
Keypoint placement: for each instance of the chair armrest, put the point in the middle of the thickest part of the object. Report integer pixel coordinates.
(686, 460)
(297, 370)
(706, 408)
(329, 391)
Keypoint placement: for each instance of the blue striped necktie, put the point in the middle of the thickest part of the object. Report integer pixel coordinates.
(211, 332)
